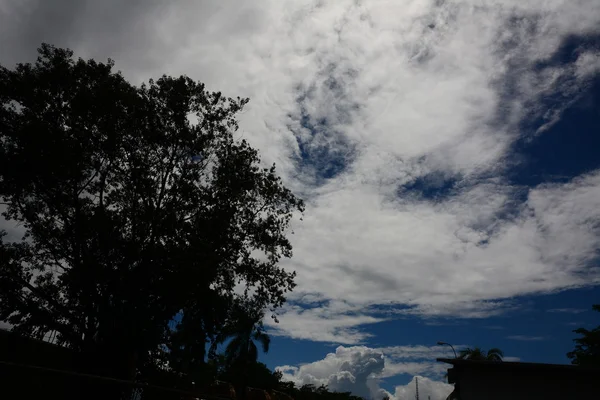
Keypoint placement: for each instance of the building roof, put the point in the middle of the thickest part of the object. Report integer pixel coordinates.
(459, 362)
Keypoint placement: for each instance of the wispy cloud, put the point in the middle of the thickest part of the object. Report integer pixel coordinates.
(335, 322)
(567, 310)
(526, 338)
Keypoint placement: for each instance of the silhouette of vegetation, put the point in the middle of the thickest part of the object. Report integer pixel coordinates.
(243, 329)
(135, 215)
(587, 347)
(477, 353)
(312, 392)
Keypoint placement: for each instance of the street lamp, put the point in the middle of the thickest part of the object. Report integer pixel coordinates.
(448, 344)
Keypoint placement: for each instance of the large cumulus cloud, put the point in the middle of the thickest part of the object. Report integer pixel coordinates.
(361, 371)
(353, 369)
(428, 388)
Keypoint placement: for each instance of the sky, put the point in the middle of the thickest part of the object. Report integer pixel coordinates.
(447, 152)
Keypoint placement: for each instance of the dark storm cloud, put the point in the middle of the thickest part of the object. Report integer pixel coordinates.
(26, 24)
(99, 29)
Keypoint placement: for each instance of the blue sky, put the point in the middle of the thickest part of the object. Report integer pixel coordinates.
(539, 327)
(447, 151)
(533, 332)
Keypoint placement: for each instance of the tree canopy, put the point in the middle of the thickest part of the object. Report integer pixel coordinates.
(587, 346)
(138, 205)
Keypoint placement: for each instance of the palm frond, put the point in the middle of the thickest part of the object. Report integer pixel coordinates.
(463, 354)
(496, 351)
(234, 348)
(252, 352)
(264, 340)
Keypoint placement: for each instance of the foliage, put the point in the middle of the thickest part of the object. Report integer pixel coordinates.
(587, 347)
(257, 375)
(133, 214)
(312, 392)
(477, 353)
(244, 327)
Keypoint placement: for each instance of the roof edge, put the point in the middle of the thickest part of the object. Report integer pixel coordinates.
(514, 364)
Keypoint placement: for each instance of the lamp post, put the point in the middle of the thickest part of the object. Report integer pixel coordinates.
(448, 344)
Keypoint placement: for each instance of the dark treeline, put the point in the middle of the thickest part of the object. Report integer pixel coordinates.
(587, 346)
(216, 378)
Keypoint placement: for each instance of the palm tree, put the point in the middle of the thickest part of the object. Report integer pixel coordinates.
(244, 328)
(477, 353)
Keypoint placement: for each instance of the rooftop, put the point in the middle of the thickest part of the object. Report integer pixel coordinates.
(459, 362)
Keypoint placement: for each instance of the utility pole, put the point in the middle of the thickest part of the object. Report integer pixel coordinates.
(417, 393)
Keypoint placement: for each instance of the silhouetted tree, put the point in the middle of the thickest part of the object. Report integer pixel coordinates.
(312, 392)
(134, 213)
(196, 327)
(307, 391)
(477, 353)
(244, 328)
(587, 347)
(257, 375)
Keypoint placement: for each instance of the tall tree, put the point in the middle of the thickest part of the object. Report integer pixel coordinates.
(133, 212)
(476, 353)
(587, 346)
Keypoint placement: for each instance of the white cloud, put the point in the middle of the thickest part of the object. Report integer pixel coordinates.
(361, 369)
(588, 65)
(451, 258)
(349, 369)
(397, 91)
(5, 325)
(437, 390)
(335, 323)
(419, 360)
